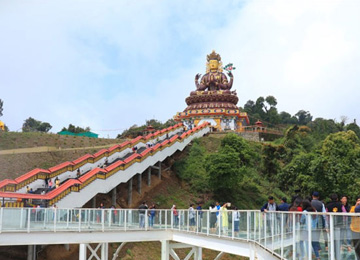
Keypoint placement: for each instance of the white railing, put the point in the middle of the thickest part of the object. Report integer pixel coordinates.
(287, 235)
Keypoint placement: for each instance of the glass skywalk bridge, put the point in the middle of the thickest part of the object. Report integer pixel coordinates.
(248, 233)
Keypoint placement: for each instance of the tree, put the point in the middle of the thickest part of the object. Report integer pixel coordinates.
(76, 129)
(321, 128)
(33, 125)
(354, 127)
(192, 169)
(286, 118)
(303, 117)
(225, 172)
(1, 107)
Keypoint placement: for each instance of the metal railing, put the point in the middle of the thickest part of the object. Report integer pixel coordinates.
(288, 235)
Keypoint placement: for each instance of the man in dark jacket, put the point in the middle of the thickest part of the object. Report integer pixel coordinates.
(283, 205)
(142, 210)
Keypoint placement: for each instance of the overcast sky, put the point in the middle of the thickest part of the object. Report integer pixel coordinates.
(112, 64)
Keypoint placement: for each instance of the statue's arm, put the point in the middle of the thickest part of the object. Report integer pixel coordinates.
(200, 86)
(225, 85)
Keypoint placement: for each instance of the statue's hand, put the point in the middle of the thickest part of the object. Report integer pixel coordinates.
(230, 74)
(197, 77)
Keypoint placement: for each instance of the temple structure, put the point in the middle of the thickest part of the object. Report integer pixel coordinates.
(214, 101)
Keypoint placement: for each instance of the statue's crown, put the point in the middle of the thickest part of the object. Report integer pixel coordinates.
(213, 56)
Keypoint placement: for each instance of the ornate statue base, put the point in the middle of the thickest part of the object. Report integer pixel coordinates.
(216, 107)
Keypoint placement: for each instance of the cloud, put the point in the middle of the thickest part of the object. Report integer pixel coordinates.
(109, 65)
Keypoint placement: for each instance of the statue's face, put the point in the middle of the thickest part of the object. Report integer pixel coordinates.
(213, 64)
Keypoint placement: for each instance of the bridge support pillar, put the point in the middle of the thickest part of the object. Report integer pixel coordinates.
(159, 170)
(94, 202)
(139, 182)
(130, 192)
(31, 252)
(113, 197)
(82, 252)
(165, 252)
(104, 251)
(149, 177)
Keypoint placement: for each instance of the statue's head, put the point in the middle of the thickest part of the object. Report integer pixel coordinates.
(213, 61)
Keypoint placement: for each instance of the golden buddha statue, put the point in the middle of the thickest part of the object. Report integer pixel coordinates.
(214, 79)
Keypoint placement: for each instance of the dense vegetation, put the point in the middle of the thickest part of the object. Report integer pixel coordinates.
(33, 125)
(264, 109)
(322, 156)
(75, 129)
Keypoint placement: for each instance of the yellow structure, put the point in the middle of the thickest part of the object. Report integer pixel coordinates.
(2, 126)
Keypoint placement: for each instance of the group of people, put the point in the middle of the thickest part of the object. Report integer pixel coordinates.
(346, 228)
(151, 213)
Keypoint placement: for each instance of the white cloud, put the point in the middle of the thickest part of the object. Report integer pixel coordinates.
(109, 65)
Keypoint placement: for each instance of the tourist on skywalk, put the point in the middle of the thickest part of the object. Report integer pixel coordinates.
(355, 228)
(270, 205)
(296, 206)
(152, 214)
(191, 213)
(335, 206)
(114, 214)
(345, 232)
(321, 222)
(142, 211)
(175, 215)
(236, 216)
(199, 216)
(307, 207)
(78, 173)
(283, 206)
(213, 211)
(225, 218)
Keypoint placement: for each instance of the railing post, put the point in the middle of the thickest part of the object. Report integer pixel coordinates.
(67, 218)
(45, 211)
(166, 224)
(146, 220)
(103, 220)
(208, 222)
(21, 218)
(55, 219)
(265, 227)
(28, 226)
(79, 220)
(1, 218)
(125, 219)
(160, 219)
(232, 224)
(198, 222)
(188, 219)
(294, 234)
(309, 235)
(248, 224)
(282, 236)
(172, 219)
(219, 224)
(332, 240)
(259, 224)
